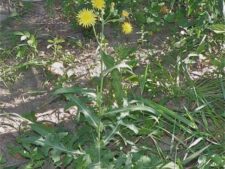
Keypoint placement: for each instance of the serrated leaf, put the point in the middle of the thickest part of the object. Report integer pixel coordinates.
(50, 142)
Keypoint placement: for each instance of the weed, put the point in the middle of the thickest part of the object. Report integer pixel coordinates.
(162, 115)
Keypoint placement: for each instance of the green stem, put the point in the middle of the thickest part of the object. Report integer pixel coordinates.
(96, 37)
(100, 41)
(113, 20)
(102, 28)
(102, 50)
(99, 146)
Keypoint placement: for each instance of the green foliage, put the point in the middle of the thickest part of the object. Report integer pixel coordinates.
(218, 28)
(55, 45)
(24, 50)
(161, 116)
(116, 77)
(2, 160)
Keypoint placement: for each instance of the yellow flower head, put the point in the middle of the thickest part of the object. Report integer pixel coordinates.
(86, 18)
(125, 14)
(98, 4)
(127, 28)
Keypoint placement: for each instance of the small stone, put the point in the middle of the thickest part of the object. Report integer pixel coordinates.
(70, 72)
(57, 68)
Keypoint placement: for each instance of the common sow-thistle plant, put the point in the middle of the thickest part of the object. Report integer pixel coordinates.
(110, 131)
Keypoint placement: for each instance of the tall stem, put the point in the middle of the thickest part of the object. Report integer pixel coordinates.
(99, 146)
(102, 27)
(100, 41)
(102, 48)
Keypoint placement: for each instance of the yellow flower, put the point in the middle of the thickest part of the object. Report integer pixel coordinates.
(125, 14)
(86, 18)
(127, 28)
(98, 4)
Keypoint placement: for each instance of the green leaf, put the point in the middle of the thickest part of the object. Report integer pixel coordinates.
(218, 28)
(2, 160)
(124, 52)
(132, 127)
(112, 133)
(170, 165)
(50, 141)
(143, 79)
(41, 129)
(116, 78)
(30, 116)
(169, 114)
(143, 162)
(194, 155)
(118, 66)
(56, 156)
(18, 33)
(130, 108)
(155, 109)
(89, 115)
(73, 90)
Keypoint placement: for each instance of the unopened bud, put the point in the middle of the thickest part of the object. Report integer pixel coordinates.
(112, 7)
